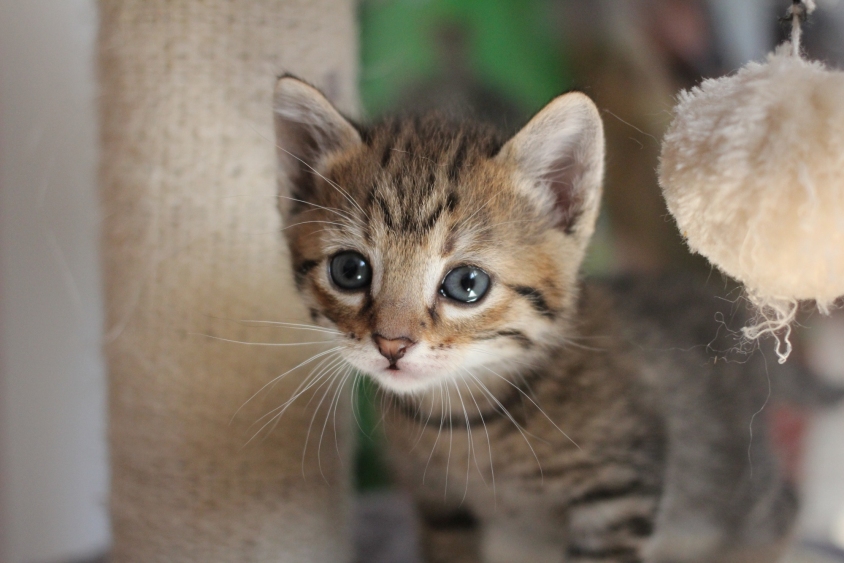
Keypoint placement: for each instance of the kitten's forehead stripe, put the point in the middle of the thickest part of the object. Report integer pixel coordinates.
(458, 159)
(386, 215)
(386, 155)
(428, 224)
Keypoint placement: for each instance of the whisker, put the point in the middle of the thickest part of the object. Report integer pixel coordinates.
(355, 399)
(340, 190)
(334, 368)
(346, 377)
(422, 427)
(478, 210)
(439, 432)
(314, 171)
(513, 420)
(514, 386)
(253, 322)
(632, 126)
(335, 223)
(492, 225)
(471, 447)
(291, 325)
(330, 381)
(336, 211)
(570, 342)
(450, 440)
(489, 445)
(278, 377)
(312, 379)
(279, 411)
(334, 399)
(281, 344)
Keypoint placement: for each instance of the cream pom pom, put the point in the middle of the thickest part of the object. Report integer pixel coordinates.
(752, 168)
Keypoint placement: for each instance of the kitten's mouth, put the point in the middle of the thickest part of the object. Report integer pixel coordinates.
(402, 378)
(404, 374)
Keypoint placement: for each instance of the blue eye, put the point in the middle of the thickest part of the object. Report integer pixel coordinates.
(466, 284)
(350, 271)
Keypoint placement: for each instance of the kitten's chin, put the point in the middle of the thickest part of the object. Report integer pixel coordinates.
(404, 381)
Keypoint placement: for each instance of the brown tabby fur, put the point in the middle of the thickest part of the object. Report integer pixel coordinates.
(554, 420)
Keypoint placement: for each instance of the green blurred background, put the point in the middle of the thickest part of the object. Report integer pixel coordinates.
(507, 50)
(501, 60)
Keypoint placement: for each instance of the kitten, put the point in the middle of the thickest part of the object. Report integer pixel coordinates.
(537, 418)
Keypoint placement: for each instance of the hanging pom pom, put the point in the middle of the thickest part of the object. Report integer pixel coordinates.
(752, 168)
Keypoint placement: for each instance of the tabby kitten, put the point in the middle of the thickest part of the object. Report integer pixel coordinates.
(536, 418)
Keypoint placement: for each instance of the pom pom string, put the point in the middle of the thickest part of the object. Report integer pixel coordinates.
(774, 319)
(798, 13)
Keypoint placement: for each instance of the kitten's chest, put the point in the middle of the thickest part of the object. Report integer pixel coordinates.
(524, 457)
(536, 457)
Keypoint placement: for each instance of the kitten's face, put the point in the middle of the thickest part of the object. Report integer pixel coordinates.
(435, 251)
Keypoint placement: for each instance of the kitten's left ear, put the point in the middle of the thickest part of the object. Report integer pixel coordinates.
(308, 129)
(560, 154)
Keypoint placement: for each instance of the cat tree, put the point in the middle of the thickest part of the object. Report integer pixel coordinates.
(191, 249)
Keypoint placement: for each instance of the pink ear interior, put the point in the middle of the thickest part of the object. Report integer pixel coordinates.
(563, 179)
(562, 150)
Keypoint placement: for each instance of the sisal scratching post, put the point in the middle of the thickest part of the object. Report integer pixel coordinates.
(191, 245)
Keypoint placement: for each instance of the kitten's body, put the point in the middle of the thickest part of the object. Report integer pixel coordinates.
(573, 423)
(658, 455)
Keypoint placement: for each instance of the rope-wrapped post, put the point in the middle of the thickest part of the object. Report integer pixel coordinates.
(192, 248)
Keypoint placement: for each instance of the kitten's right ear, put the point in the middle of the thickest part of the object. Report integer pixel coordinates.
(561, 154)
(308, 129)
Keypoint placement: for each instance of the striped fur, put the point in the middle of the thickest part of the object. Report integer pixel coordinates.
(550, 421)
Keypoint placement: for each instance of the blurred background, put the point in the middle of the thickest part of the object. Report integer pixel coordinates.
(496, 60)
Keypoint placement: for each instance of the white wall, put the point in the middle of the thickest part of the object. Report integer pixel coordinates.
(53, 476)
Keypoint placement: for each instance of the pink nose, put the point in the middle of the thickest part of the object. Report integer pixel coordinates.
(392, 348)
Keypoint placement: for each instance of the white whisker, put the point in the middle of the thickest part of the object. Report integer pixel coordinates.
(342, 214)
(336, 224)
(340, 190)
(423, 426)
(314, 171)
(330, 381)
(513, 420)
(516, 387)
(471, 444)
(346, 377)
(312, 379)
(302, 326)
(281, 344)
(278, 377)
(488, 442)
(273, 324)
(279, 411)
(439, 432)
(450, 440)
(331, 403)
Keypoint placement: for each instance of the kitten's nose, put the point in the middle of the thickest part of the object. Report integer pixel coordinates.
(392, 348)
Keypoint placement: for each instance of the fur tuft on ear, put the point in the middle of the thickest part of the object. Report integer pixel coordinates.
(560, 153)
(308, 129)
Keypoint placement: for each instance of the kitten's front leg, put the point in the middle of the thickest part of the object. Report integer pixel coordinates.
(523, 536)
(610, 525)
(450, 537)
